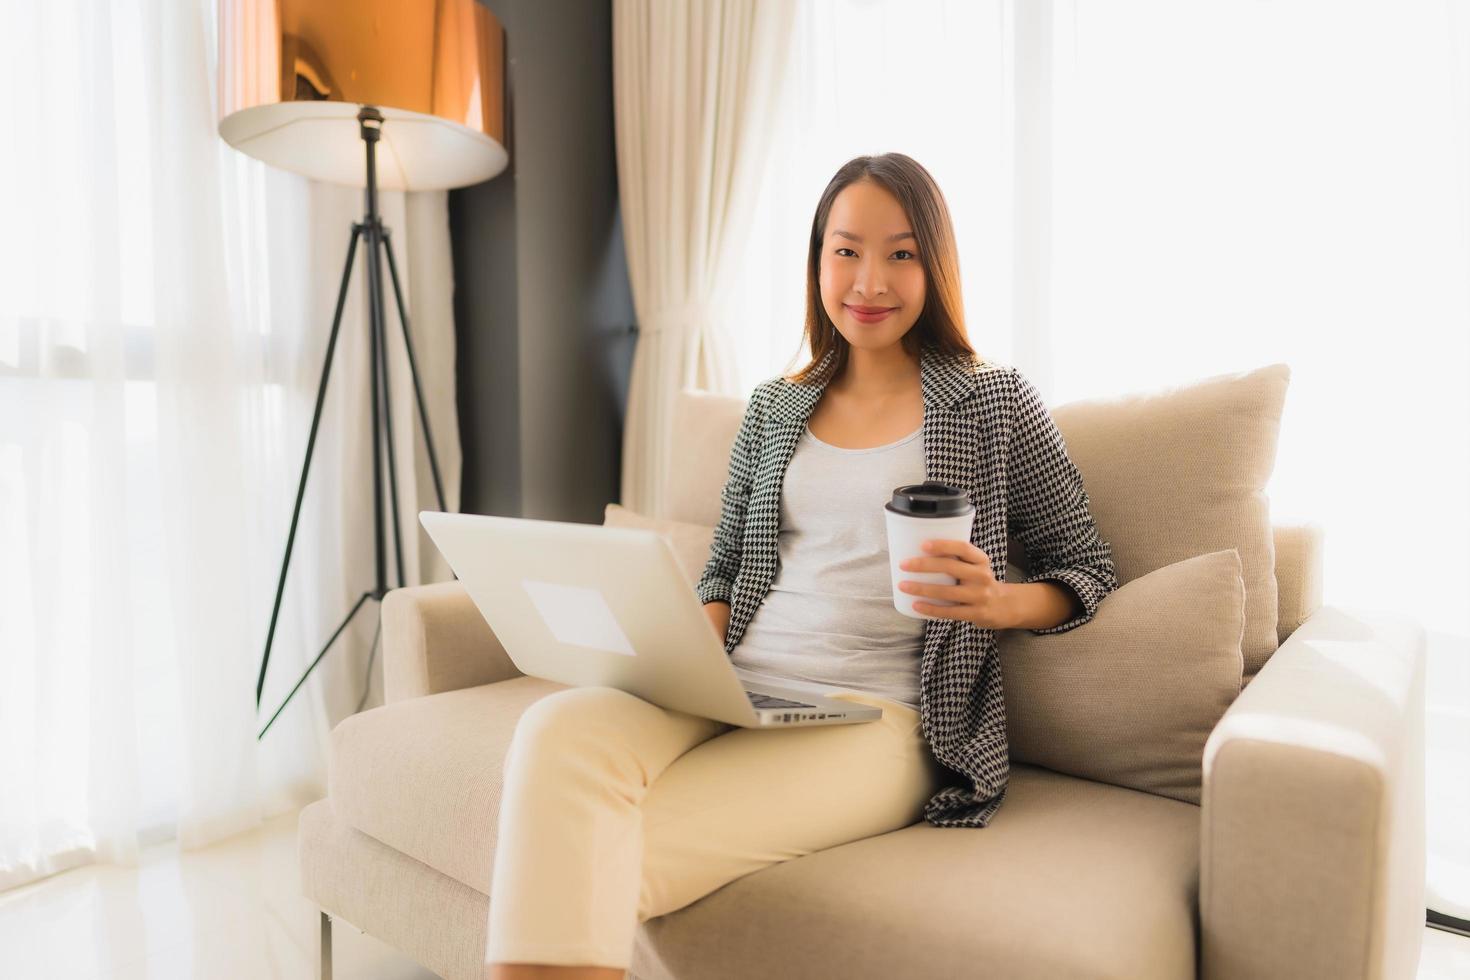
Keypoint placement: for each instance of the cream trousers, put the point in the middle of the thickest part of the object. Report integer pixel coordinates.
(615, 811)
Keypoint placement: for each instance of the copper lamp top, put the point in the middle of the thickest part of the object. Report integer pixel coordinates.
(293, 74)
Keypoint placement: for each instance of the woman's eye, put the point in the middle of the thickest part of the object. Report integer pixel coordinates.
(902, 251)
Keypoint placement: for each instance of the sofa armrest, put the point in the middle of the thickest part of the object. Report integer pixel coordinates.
(1312, 840)
(434, 639)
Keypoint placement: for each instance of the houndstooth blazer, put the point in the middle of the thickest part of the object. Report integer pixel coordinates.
(986, 429)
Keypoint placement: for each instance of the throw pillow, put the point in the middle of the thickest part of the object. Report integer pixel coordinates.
(1131, 698)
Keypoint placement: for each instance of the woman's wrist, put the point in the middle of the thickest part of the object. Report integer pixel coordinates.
(1037, 605)
(719, 616)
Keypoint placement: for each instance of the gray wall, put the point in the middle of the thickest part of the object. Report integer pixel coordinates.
(542, 305)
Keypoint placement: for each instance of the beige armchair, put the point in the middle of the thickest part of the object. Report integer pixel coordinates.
(1304, 858)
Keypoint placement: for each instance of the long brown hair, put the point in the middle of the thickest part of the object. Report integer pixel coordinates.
(941, 323)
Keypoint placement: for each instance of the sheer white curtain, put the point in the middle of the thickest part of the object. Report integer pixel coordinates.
(1147, 192)
(694, 85)
(164, 309)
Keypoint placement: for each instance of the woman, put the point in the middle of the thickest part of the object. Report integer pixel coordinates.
(616, 810)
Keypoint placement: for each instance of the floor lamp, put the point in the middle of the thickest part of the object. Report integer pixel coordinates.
(322, 89)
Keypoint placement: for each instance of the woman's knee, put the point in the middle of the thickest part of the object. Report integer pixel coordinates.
(575, 709)
(575, 726)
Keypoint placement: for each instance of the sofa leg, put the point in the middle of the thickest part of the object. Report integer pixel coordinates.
(324, 945)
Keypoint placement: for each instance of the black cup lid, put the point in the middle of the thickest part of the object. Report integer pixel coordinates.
(929, 499)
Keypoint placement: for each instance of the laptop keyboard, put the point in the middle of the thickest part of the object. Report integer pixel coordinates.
(771, 701)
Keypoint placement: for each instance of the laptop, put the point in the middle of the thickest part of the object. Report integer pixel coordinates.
(585, 604)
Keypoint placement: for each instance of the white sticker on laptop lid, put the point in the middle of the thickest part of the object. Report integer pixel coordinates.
(578, 616)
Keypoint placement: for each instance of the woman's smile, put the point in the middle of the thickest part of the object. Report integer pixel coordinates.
(869, 314)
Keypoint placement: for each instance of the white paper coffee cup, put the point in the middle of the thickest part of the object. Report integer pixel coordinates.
(916, 513)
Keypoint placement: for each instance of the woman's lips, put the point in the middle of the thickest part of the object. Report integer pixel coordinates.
(862, 317)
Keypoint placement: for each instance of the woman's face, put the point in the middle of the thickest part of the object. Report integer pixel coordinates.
(870, 260)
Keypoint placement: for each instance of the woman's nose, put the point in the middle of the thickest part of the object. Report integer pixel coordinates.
(870, 280)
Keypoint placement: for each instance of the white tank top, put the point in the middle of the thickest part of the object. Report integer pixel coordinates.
(829, 615)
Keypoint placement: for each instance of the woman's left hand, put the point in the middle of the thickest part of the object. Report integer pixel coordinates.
(980, 598)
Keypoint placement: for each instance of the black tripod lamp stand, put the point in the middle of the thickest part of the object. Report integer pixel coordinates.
(436, 114)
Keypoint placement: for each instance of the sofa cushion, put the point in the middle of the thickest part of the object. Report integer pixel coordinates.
(699, 454)
(1182, 471)
(690, 542)
(1111, 868)
(1131, 699)
(1071, 878)
(423, 775)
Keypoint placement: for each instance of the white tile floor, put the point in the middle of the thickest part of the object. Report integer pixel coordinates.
(235, 912)
(229, 912)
